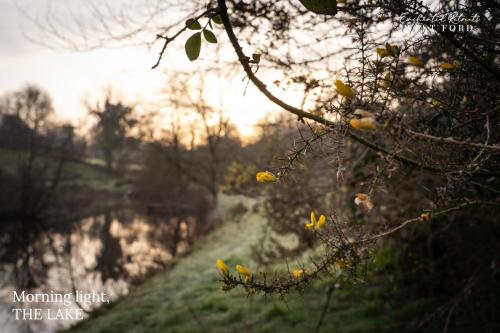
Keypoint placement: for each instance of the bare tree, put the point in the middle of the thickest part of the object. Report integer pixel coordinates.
(211, 133)
(114, 120)
(39, 170)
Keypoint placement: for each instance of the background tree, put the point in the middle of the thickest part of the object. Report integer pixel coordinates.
(113, 121)
(25, 119)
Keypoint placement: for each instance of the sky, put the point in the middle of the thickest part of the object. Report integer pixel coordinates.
(72, 77)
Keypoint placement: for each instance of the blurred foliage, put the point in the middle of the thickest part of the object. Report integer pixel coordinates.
(239, 178)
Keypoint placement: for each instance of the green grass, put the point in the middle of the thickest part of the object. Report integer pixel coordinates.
(74, 173)
(186, 297)
(95, 178)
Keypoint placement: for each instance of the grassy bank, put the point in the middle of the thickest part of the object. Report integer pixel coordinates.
(186, 297)
(83, 188)
(74, 173)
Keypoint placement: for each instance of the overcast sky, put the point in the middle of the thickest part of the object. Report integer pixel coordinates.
(67, 75)
(71, 77)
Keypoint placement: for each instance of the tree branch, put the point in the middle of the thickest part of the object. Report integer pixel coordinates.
(171, 39)
(417, 219)
(261, 86)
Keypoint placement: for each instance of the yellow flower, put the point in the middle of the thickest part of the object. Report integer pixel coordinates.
(298, 273)
(321, 222)
(363, 200)
(416, 62)
(316, 224)
(366, 123)
(382, 52)
(266, 177)
(424, 217)
(311, 225)
(362, 113)
(393, 50)
(387, 51)
(341, 263)
(343, 89)
(243, 271)
(222, 267)
(436, 104)
(448, 67)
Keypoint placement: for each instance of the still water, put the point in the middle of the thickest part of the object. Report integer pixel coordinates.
(102, 254)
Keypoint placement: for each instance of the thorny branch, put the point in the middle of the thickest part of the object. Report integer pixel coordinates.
(308, 115)
(346, 248)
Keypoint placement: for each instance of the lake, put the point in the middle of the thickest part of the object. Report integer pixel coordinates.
(101, 254)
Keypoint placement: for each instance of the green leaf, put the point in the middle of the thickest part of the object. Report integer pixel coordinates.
(217, 19)
(193, 46)
(256, 58)
(193, 24)
(324, 7)
(209, 36)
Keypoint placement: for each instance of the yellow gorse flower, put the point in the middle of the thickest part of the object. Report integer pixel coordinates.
(382, 52)
(363, 113)
(316, 224)
(222, 267)
(321, 222)
(448, 66)
(364, 201)
(266, 177)
(365, 124)
(344, 89)
(243, 271)
(298, 273)
(436, 104)
(310, 225)
(416, 62)
(341, 263)
(424, 217)
(393, 50)
(387, 51)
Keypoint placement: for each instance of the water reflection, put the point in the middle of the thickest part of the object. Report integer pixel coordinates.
(107, 252)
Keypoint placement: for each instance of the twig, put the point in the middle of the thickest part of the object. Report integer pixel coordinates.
(417, 219)
(170, 39)
(329, 293)
(452, 140)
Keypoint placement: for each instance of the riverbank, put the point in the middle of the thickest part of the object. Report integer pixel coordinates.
(186, 297)
(83, 189)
